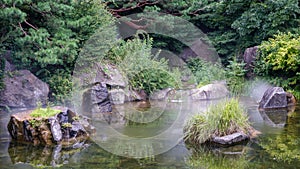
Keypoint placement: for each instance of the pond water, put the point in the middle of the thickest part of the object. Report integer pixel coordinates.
(277, 147)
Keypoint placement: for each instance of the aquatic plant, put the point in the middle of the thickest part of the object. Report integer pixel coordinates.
(225, 118)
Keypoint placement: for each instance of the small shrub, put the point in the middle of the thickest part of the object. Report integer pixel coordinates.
(235, 75)
(61, 86)
(142, 69)
(225, 118)
(205, 72)
(278, 61)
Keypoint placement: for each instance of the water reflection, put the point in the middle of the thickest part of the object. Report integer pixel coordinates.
(277, 147)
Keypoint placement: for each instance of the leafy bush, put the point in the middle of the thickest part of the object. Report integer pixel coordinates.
(61, 86)
(235, 75)
(279, 60)
(141, 68)
(222, 119)
(47, 36)
(205, 72)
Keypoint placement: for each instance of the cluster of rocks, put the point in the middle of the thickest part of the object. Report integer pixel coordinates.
(64, 128)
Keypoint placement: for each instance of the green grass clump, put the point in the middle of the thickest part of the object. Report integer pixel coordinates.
(44, 112)
(225, 118)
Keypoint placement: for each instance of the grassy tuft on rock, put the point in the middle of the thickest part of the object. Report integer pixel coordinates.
(44, 112)
(225, 118)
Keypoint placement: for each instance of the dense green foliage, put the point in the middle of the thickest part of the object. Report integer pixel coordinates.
(205, 72)
(232, 25)
(46, 36)
(222, 119)
(141, 68)
(278, 60)
(235, 77)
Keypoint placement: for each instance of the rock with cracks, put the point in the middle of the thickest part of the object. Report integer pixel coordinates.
(65, 128)
(274, 97)
(231, 139)
(23, 90)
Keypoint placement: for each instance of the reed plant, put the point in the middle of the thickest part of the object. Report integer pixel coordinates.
(224, 118)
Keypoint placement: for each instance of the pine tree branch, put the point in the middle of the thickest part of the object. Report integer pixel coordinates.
(139, 5)
(35, 28)
(25, 33)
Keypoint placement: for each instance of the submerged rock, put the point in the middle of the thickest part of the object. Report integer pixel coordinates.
(23, 90)
(64, 128)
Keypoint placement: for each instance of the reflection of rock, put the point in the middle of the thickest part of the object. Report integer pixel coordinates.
(276, 97)
(231, 139)
(210, 91)
(96, 99)
(63, 128)
(231, 150)
(23, 89)
(43, 157)
(275, 117)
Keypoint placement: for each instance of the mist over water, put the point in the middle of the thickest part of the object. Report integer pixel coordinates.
(257, 89)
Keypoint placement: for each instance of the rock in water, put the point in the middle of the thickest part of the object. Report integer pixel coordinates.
(55, 129)
(210, 91)
(50, 130)
(23, 90)
(96, 99)
(231, 139)
(274, 97)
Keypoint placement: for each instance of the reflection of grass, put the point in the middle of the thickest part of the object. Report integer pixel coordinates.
(221, 119)
(203, 158)
(283, 148)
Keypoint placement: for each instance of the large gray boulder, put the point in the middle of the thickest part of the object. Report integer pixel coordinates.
(200, 49)
(210, 91)
(274, 97)
(117, 96)
(249, 58)
(161, 94)
(110, 75)
(96, 99)
(23, 89)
